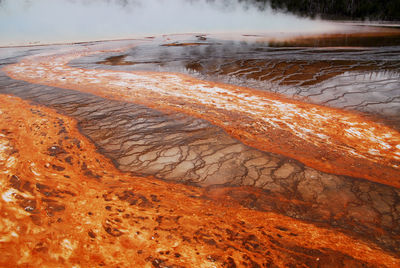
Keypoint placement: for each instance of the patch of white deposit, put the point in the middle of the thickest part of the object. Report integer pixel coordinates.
(4, 147)
(11, 161)
(68, 248)
(8, 196)
(33, 169)
(308, 124)
(354, 132)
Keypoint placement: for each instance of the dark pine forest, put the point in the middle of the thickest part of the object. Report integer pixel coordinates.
(339, 9)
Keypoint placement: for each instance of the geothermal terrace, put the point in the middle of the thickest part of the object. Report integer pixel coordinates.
(198, 151)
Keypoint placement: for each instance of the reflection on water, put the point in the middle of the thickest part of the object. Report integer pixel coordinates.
(385, 37)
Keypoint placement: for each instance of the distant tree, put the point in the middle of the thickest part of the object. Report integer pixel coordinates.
(337, 9)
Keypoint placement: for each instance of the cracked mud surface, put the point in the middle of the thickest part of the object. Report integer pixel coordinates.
(327, 139)
(179, 148)
(64, 204)
(237, 180)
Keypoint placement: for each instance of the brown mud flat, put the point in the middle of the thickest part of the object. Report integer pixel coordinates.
(116, 60)
(289, 73)
(64, 204)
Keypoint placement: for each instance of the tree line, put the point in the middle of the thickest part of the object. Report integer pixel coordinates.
(338, 9)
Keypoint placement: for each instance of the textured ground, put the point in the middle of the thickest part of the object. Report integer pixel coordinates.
(256, 204)
(64, 204)
(356, 72)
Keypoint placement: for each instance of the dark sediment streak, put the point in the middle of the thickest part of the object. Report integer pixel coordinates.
(349, 76)
(189, 150)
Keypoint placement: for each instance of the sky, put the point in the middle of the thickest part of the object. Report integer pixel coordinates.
(55, 21)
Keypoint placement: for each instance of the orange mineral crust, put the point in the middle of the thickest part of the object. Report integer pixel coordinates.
(328, 139)
(64, 204)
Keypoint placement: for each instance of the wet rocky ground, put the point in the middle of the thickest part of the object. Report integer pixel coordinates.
(180, 148)
(176, 147)
(358, 73)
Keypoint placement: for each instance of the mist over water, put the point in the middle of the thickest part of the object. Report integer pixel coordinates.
(49, 21)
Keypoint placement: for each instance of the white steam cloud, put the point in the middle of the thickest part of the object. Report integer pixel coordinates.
(48, 21)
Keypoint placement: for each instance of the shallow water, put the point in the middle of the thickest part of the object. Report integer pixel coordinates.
(355, 72)
(207, 167)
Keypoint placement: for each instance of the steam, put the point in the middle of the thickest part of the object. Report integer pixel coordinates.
(48, 21)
